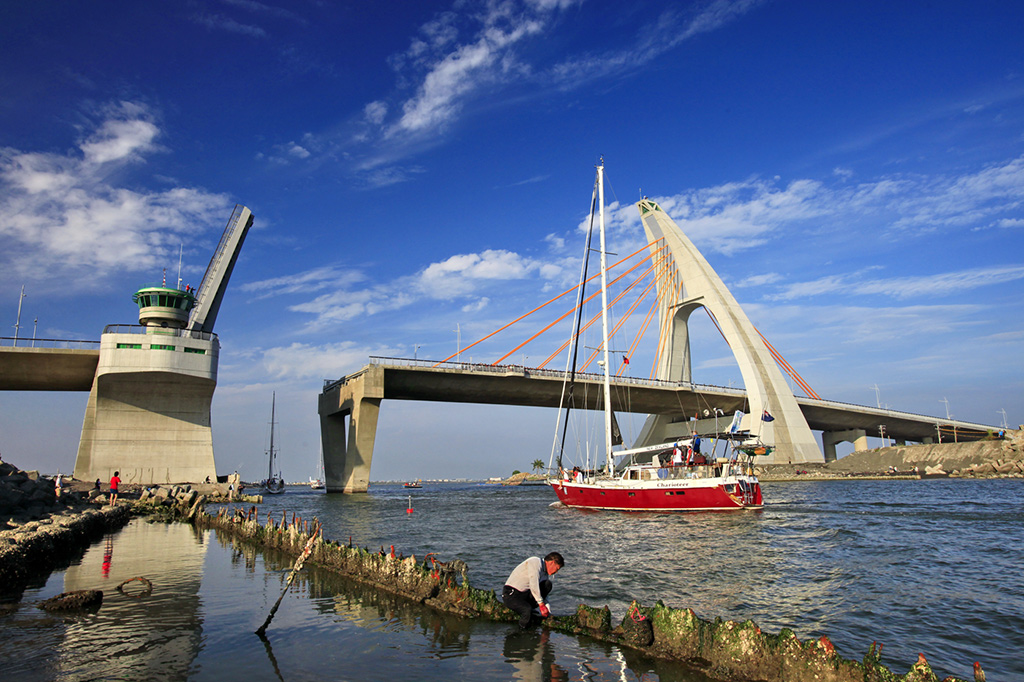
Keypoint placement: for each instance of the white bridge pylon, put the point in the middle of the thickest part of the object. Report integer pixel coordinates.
(687, 282)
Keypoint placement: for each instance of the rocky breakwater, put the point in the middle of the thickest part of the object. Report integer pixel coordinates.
(725, 650)
(987, 458)
(40, 531)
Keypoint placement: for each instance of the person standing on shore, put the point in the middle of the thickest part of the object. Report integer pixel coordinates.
(528, 586)
(114, 482)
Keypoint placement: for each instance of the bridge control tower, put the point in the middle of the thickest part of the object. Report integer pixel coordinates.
(148, 414)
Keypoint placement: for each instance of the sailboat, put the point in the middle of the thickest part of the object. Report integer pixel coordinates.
(655, 478)
(318, 482)
(274, 484)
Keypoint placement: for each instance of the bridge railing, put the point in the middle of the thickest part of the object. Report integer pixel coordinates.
(528, 371)
(896, 414)
(163, 331)
(22, 342)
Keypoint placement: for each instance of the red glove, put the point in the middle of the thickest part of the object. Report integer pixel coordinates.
(544, 612)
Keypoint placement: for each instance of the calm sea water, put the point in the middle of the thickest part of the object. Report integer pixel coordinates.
(921, 566)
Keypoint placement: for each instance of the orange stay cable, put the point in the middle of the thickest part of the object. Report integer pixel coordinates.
(643, 328)
(668, 302)
(786, 366)
(591, 321)
(588, 299)
(632, 308)
(647, 318)
(521, 317)
(619, 324)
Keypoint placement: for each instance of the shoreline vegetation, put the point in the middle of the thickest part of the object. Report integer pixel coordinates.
(726, 650)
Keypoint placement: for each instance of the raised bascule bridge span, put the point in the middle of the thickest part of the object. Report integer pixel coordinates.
(150, 385)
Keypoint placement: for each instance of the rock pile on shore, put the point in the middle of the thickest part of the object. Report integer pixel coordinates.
(37, 547)
(997, 458)
(25, 496)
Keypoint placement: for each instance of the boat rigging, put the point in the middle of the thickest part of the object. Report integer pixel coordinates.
(656, 477)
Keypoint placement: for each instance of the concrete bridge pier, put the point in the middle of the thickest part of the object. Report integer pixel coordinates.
(348, 448)
(859, 438)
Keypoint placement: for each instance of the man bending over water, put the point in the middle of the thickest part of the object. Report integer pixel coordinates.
(528, 586)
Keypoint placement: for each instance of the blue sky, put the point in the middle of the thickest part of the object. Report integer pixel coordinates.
(854, 172)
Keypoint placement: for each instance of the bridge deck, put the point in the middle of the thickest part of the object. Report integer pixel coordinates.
(47, 369)
(517, 385)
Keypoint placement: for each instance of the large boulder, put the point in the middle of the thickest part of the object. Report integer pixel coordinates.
(71, 601)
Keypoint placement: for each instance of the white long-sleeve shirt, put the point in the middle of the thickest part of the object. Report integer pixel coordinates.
(528, 576)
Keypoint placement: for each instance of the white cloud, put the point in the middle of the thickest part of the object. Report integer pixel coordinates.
(476, 306)
(298, 151)
(219, 22)
(375, 112)
(309, 281)
(758, 280)
(939, 284)
(59, 213)
(301, 361)
(460, 274)
(119, 139)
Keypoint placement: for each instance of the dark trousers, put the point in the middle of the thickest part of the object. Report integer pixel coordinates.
(522, 602)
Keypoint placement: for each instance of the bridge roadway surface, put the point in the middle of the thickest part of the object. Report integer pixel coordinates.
(72, 369)
(27, 368)
(406, 379)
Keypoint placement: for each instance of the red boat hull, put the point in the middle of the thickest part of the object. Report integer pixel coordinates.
(661, 498)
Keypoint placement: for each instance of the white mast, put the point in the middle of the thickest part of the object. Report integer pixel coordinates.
(604, 326)
(273, 402)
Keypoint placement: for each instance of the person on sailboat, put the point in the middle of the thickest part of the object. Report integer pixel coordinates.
(528, 586)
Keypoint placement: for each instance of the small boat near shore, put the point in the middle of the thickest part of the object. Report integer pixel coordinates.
(413, 484)
(318, 482)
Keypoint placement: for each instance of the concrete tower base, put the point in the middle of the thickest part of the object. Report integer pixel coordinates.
(148, 414)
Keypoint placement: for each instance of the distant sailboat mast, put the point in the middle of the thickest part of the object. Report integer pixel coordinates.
(273, 401)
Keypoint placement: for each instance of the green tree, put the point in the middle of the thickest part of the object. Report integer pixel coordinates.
(538, 465)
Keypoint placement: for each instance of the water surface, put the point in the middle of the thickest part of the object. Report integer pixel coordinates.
(921, 566)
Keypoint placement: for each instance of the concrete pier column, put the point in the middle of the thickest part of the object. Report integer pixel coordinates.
(858, 437)
(348, 431)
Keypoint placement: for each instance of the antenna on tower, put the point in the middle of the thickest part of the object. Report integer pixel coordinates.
(180, 249)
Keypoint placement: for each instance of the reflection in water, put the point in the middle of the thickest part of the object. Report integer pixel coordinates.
(271, 658)
(210, 594)
(830, 558)
(135, 633)
(108, 554)
(158, 630)
(531, 656)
